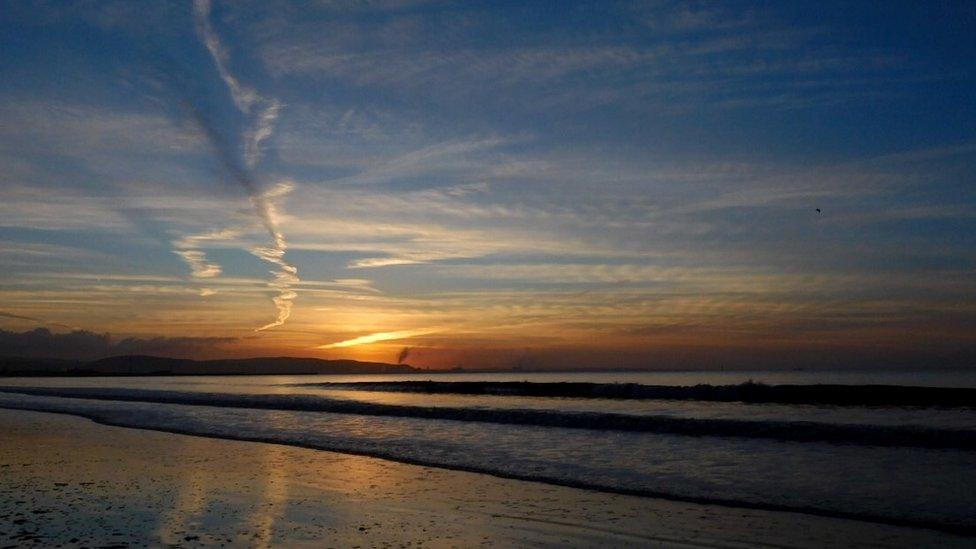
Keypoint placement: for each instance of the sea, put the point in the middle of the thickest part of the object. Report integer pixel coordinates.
(907, 458)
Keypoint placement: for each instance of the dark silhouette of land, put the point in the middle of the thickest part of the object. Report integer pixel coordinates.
(162, 366)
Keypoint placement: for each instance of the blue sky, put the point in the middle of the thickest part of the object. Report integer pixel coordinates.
(488, 181)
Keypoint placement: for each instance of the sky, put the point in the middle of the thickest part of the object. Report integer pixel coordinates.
(532, 184)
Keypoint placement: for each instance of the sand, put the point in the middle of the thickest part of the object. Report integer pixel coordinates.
(66, 481)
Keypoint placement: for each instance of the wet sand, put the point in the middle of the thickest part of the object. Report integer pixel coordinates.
(66, 481)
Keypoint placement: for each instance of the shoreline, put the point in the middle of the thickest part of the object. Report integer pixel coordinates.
(76, 373)
(952, 529)
(560, 504)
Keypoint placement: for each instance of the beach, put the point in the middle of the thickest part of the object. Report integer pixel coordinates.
(415, 273)
(68, 481)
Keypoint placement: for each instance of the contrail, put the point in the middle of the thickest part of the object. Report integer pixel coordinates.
(37, 320)
(263, 128)
(287, 274)
(245, 98)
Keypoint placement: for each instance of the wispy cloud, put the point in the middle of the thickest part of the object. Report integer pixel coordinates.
(245, 98)
(429, 159)
(188, 248)
(35, 252)
(35, 320)
(199, 266)
(263, 129)
(286, 274)
(741, 65)
(377, 337)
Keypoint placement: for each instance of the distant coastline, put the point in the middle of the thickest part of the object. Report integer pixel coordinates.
(150, 365)
(140, 365)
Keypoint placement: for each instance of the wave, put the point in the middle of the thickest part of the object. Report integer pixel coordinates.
(749, 392)
(254, 427)
(795, 431)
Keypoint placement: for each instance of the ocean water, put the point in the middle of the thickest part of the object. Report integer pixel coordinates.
(896, 463)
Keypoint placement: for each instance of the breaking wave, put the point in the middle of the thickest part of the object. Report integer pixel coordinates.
(750, 392)
(795, 431)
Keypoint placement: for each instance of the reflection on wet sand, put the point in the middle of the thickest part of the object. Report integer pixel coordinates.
(200, 493)
(192, 494)
(273, 475)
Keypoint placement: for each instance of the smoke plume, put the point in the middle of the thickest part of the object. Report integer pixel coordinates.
(404, 353)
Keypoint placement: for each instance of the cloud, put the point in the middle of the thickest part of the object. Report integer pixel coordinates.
(243, 96)
(263, 128)
(461, 173)
(86, 345)
(285, 275)
(63, 209)
(733, 61)
(32, 319)
(199, 266)
(374, 338)
(387, 262)
(32, 255)
(436, 157)
(188, 249)
(170, 346)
